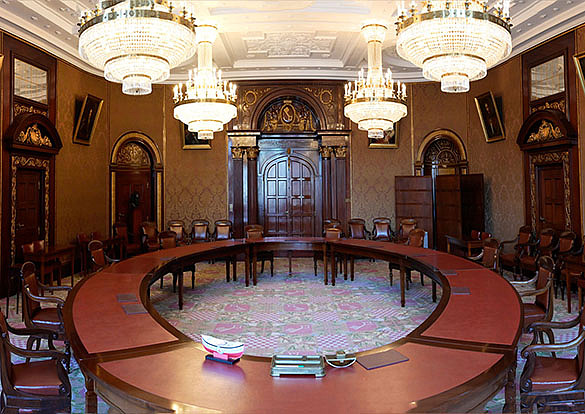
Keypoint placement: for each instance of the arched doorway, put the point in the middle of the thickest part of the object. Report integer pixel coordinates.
(136, 182)
(441, 153)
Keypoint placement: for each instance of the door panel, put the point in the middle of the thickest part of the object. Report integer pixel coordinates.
(29, 208)
(551, 199)
(127, 183)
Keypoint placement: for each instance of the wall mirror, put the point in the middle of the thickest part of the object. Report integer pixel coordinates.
(30, 82)
(548, 78)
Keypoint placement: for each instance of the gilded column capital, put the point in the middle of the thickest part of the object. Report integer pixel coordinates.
(325, 151)
(252, 152)
(340, 152)
(237, 153)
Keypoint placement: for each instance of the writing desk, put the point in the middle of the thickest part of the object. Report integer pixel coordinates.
(52, 253)
(466, 244)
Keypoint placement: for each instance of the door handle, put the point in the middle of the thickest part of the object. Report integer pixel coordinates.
(19, 225)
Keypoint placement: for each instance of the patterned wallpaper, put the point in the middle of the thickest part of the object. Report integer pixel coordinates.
(580, 48)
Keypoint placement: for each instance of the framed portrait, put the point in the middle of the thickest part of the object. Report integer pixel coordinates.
(580, 64)
(390, 139)
(489, 116)
(87, 120)
(191, 141)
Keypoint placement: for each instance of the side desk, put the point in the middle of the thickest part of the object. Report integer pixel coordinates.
(50, 254)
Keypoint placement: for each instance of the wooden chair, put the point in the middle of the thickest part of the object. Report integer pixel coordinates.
(178, 226)
(223, 231)
(567, 246)
(332, 223)
(51, 267)
(200, 231)
(168, 240)
(571, 273)
(546, 245)
(129, 249)
(509, 260)
(405, 227)
(33, 386)
(149, 236)
(541, 310)
(416, 238)
(330, 233)
(82, 240)
(553, 384)
(489, 254)
(381, 230)
(47, 318)
(98, 256)
(256, 231)
(357, 229)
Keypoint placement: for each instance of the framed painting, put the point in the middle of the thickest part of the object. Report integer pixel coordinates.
(580, 64)
(87, 120)
(390, 139)
(489, 116)
(191, 141)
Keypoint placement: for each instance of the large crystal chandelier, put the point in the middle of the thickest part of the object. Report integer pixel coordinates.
(375, 102)
(205, 103)
(455, 41)
(136, 42)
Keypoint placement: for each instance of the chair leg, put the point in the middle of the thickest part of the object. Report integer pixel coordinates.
(422, 279)
(271, 266)
(161, 282)
(344, 267)
(390, 273)
(175, 277)
(568, 293)
(352, 268)
(262, 266)
(315, 264)
(227, 270)
(193, 277)
(234, 269)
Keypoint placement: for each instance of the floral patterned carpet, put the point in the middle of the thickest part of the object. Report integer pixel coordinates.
(295, 314)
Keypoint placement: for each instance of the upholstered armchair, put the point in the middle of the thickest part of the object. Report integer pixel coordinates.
(489, 254)
(404, 229)
(178, 226)
(330, 233)
(416, 238)
(546, 245)
(99, 258)
(51, 268)
(381, 230)
(149, 236)
(41, 383)
(128, 248)
(508, 260)
(567, 246)
(168, 240)
(357, 229)
(569, 272)
(256, 231)
(223, 231)
(200, 231)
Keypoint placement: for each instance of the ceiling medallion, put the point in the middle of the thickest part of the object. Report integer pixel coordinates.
(136, 42)
(455, 41)
(375, 102)
(205, 103)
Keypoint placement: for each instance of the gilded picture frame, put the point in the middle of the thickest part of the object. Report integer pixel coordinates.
(579, 60)
(190, 141)
(390, 139)
(1, 60)
(491, 122)
(87, 120)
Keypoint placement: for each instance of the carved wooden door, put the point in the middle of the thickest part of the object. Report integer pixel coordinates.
(289, 193)
(551, 198)
(127, 183)
(29, 208)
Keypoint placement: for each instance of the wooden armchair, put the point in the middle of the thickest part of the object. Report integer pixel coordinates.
(149, 236)
(357, 229)
(33, 386)
(416, 238)
(128, 248)
(509, 260)
(405, 227)
(178, 226)
(99, 258)
(200, 231)
(546, 245)
(541, 310)
(256, 231)
(330, 233)
(381, 230)
(223, 231)
(51, 268)
(46, 318)
(567, 245)
(553, 384)
(489, 254)
(570, 266)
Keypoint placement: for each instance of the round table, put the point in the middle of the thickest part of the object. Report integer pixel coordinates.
(458, 359)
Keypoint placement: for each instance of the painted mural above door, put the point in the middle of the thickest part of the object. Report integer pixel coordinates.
(288, 115)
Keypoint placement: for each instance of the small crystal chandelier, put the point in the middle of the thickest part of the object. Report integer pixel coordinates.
(375, 102)
(455, 41)
(136, 42)
(205, 103)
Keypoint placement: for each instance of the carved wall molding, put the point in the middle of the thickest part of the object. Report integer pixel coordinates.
(559, 105)
(288, 44)
(133, 155)
(16, 162)
(288, 115)
(252, 152)
(550, 158)
(326, 98)
(248, 98)
(33, 136)
(18, 109)
(238, 153)
(546, 132)
(340, 152)
(441, 148)
(325, 151)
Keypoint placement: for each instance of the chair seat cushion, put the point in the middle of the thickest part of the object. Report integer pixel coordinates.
(552, 373)
(37, 377)
(533, 313)
(507, 259)
(46, 317)
(528, 262)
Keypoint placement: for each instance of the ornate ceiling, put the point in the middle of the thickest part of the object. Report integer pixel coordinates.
(284, 39)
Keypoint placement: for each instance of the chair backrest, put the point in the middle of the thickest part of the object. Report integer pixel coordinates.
(149, 230)
(39, 245)
(28, 248)
(121, 230)
(491, 249)
(29, 279)
(545, 272)
(547, 240)
(382, 229)
(223, 230)
(332, 222)
(199, 230)
(178, 226)
(82, 238)
(406, 226)
(333, 233)
(567, 242)
(416, 238)
(524, 234)
(167, 239)
(96, 252)
(5, 356)
(484, 235)
(357, 228)
(254, 231)
(475, 234)
(581, 348)
(96, 235)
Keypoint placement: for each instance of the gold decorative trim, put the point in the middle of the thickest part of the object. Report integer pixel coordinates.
(33, 136)
(326, 152)
(238, 153)
(17, 161)
(18, 109)
(559, 105)
(252, 152)
(340, 152)
(248, 98)
(549, 158)
(132, 154)
(546, 132)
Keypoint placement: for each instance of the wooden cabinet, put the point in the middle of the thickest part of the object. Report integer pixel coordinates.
(442, 205)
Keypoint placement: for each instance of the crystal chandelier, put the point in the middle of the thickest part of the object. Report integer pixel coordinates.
(136, 42)
(375, 102)
(205, 103)
(455, 41)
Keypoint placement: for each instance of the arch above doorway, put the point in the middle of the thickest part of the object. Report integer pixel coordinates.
(136, 156)
(441, 152)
